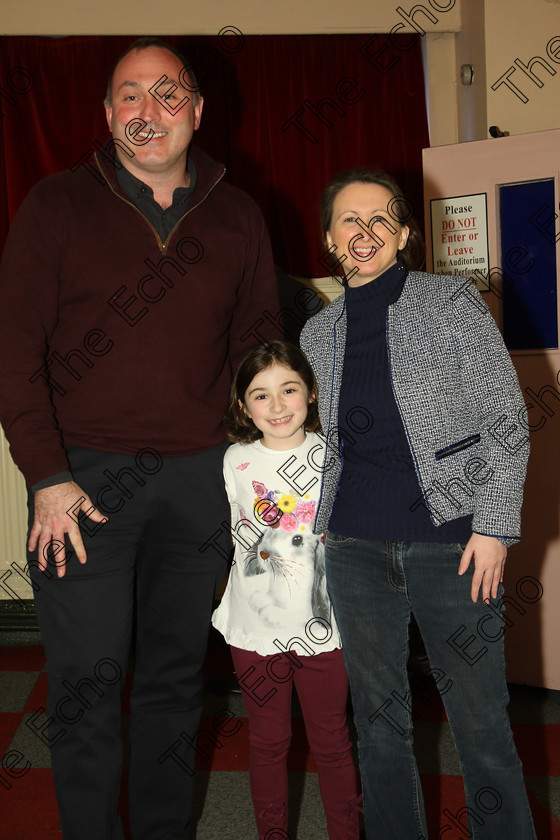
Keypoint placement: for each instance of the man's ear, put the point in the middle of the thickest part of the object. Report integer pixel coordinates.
(198, 113)
(109, 116)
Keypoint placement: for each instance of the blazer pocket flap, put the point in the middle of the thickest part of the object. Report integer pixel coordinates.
(457, 447)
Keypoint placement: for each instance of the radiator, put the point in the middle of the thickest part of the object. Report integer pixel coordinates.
(13, 528)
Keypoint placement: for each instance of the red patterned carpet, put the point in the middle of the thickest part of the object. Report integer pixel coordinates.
(27, 800)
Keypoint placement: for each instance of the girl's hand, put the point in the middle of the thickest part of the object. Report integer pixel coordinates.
(489, 561)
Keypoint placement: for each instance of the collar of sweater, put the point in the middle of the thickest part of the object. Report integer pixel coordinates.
(208, 171)
(378, 293)
(137, 189)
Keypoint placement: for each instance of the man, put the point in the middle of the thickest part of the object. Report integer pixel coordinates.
(129, 290)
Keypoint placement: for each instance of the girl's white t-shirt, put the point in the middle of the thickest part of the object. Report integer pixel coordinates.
(276, 597)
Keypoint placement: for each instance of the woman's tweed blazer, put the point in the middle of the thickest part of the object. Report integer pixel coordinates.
(458, 396)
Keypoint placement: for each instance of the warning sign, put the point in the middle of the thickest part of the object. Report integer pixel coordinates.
(460, 236)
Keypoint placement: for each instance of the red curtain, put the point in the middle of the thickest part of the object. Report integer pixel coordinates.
(284, 113)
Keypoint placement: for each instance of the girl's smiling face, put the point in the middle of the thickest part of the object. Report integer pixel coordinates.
(366, 235)
(277, 401)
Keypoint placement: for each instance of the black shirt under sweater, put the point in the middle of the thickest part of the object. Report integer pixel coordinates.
(378, 486)
(142, 196)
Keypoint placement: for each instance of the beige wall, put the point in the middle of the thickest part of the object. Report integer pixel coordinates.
(522, 31)
(492, 35)
(252, 17)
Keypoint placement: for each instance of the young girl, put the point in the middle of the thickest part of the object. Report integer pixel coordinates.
(275, 612)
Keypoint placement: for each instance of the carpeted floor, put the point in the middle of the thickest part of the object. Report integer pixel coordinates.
(222, 801)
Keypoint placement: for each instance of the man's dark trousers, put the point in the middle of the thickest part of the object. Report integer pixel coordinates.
(159, 558)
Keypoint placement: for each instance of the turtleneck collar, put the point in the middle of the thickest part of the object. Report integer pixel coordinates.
(380, 292)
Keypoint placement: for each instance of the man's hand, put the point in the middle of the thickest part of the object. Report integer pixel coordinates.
(52, 523)
(489, 561)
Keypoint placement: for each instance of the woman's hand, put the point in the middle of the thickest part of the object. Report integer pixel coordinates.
(489, 561)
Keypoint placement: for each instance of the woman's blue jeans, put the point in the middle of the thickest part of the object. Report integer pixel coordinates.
(374, 587)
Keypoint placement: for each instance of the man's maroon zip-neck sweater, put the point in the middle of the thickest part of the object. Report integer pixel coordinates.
(111, 339)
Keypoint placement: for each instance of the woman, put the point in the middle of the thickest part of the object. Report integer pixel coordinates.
(422, 489)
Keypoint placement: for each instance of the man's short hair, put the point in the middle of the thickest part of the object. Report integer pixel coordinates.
(143, 44)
